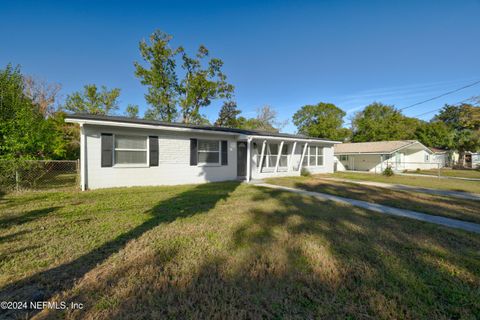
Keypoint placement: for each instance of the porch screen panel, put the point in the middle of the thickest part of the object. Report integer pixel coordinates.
(272, 155)
(320, 156)
(312, 156)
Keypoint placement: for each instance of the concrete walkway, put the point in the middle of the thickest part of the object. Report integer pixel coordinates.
(433, 176)
(452, 223)
(403, 187)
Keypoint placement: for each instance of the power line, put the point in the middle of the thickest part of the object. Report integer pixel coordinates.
(442, 95)
(422, 114)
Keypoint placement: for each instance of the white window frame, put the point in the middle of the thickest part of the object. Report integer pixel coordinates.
(427, 157)
(344, 157)
(209, 164)
(131, 165)
(316, 155)
(320, 155)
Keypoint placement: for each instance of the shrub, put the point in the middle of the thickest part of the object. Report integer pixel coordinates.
(388, 172)
(305, 173)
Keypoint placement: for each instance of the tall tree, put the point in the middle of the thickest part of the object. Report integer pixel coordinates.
(266, 120)
(464, 122)
(93, 101)
(159, 75)
(202, 80)
(227, 117)
(43, 94)
(323, 120)
(435, 134)
(379, 122)
(24, 132)
(132, 111)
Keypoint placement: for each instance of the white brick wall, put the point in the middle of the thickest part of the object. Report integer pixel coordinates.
(174, 160)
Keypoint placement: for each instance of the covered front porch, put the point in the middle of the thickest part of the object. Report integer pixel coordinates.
(276, 157)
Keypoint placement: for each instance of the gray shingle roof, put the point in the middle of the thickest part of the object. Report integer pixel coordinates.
(191, 126)
(372, 147)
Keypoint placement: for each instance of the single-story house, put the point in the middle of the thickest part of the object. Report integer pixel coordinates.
(119, 151)
(442, 156)
(377, 156)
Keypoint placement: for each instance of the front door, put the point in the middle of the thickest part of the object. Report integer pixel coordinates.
(241, 158)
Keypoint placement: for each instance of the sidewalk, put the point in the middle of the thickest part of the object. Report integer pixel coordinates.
(447, 222)
(441, 177)
(403, 187)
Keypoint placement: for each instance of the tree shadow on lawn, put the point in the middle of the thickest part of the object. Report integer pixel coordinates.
(27, 217)
(305, 259)
(44, 285)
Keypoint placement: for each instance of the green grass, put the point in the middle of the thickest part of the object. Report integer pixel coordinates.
(468, 210)
(424, 182)
(225, 250)
(445, 172)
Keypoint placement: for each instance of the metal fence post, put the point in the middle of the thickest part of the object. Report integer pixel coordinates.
(78, 172)
(17, 180)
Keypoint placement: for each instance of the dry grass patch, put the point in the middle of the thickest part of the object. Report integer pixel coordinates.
(416, 181)
(468, 210)
(225, 250)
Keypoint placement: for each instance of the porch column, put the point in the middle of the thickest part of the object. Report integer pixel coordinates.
(261, 156)
(305, 146)
(249, 140)
(278, 156)
(290, 163)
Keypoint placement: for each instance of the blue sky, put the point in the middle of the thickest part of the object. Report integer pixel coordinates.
(282, 53)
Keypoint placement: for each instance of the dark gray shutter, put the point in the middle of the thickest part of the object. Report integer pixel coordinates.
(224, 149)
(107, 150)
(193, 152)
(153, 146)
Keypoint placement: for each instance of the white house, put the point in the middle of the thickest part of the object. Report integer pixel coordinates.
(376, 156)
(441, 156)
(118, 151)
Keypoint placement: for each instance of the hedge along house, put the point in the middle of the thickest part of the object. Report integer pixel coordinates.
(119, 152)
(377, 156)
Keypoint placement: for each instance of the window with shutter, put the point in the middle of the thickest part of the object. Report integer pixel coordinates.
(107, 150)
(224, 149)
(153, 148)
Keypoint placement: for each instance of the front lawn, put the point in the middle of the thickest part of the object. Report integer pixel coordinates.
(424, 182)
(468, 210)
(230, 250)
(445, 172)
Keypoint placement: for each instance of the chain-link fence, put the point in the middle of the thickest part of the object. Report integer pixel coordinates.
(18, 175)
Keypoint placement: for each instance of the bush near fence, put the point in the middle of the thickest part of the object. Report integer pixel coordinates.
(19, 175)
